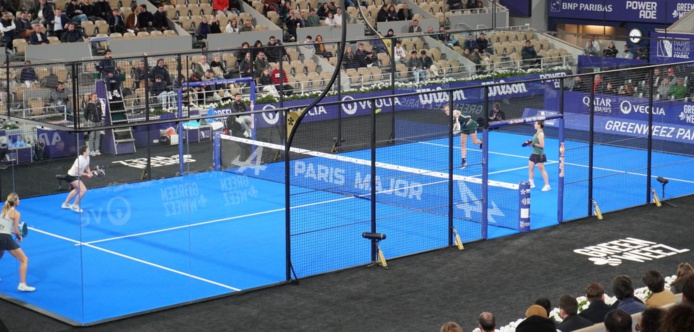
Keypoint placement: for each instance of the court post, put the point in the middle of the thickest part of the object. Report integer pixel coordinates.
(485, 167)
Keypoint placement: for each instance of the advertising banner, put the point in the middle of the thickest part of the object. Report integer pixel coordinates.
(516, 87)
(671, 47)
(649, 11)
(672, 120)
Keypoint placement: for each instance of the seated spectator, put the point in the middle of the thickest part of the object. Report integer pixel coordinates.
(265, 79)
(476, 58)
(678, 91)
(214, 25)
(116, 23)
(39, 13)
(415, 28)
(23, 25)
(568, 310)
(257, 48)
(470, 4)
(161, 70)
(274, 51)
(201, 66)
(57, 23)
(428, 64)
(312, 20)
(60, 99)
(497, 114)
(8, 31)
(221, 7)
(218, 67)
(235, 7)
(382, 15)
(349, 60)
(144, 19)
(167, 98)
(160, 22)
(683, 271)
(597, 309)
(399, 52)
(650, 320)
(330, 21)
(131, 23)
(664, 87)
(28, 74)
(628, 90)
(203, 29)
(454, 4)
(320, 47)
(37, 37)
(364, 57)
(618, 321)
(624, 292)
(338, 16)
(102, 9)
(261, 63)
(108, 73)
(232, 26)
(246, 66)
(308, 43)
(627, 53)
(482, 43)
(536, 321)
(139, 75)
(405, 13)
(529, 56)
(479, 4)
(239, 106)
(609, 89)
(72, 35)
(678, 318)
(611, 51)
(470, 43)
(280, 80)
(323, 10)
(74, 13)
(247, 26)
(268, 7)
(392, 14)
(414, 65)
(89, 10)
(451, 327)
(544, 302)
(486, 323)
(284, 10)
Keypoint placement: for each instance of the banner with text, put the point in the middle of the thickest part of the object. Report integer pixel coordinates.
(671, 47)
(653, 11)
(672, 120)
(431, 98)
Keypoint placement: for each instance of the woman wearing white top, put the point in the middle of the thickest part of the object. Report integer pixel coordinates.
(232, 26)
(9, 224)
(330, 21)
(79, 168)
(338, 17)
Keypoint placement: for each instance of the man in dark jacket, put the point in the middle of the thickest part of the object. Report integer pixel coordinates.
(72, 35)
(597, 309)
(568, 309)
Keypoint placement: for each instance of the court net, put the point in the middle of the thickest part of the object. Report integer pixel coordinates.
(349, 174)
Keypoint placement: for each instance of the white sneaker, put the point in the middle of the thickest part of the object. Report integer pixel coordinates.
(116, 94)
(76, 208)
(532, 184)
(247, 133)
(546, 188)
(25, 288)
(66, 206)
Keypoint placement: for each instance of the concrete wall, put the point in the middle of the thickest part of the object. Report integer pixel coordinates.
(354, 31)
(401, 27)
(479, 21)
(225, 41)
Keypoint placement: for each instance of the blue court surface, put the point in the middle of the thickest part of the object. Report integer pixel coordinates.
(145, 246)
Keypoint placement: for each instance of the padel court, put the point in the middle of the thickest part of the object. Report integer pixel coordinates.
(146, 246)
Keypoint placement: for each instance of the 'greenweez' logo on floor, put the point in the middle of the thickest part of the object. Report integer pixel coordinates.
(630, 249)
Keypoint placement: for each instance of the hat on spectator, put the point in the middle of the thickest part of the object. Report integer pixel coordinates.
(536, 310)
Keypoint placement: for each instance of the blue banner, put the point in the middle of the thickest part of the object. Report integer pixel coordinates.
(649, 11)
(671, 47)
(608, 62)
(516, 87)
(672, 120)
(518, 8)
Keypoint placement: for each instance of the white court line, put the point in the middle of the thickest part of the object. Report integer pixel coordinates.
(136, 260)
(214, 221)
(550, 162)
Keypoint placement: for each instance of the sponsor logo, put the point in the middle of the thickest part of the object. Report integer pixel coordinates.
(678, 49)
(506, 89)
(627, 107)
(613, 253)
(351, 108)
(555, 6)
(438, 97)
(647, 9)
(682, 9)
(687, 114)
(601, 105)
(270, 117)
(470, 203)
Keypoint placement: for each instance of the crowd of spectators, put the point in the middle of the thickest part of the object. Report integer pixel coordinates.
(660, 312)
(665, 86)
